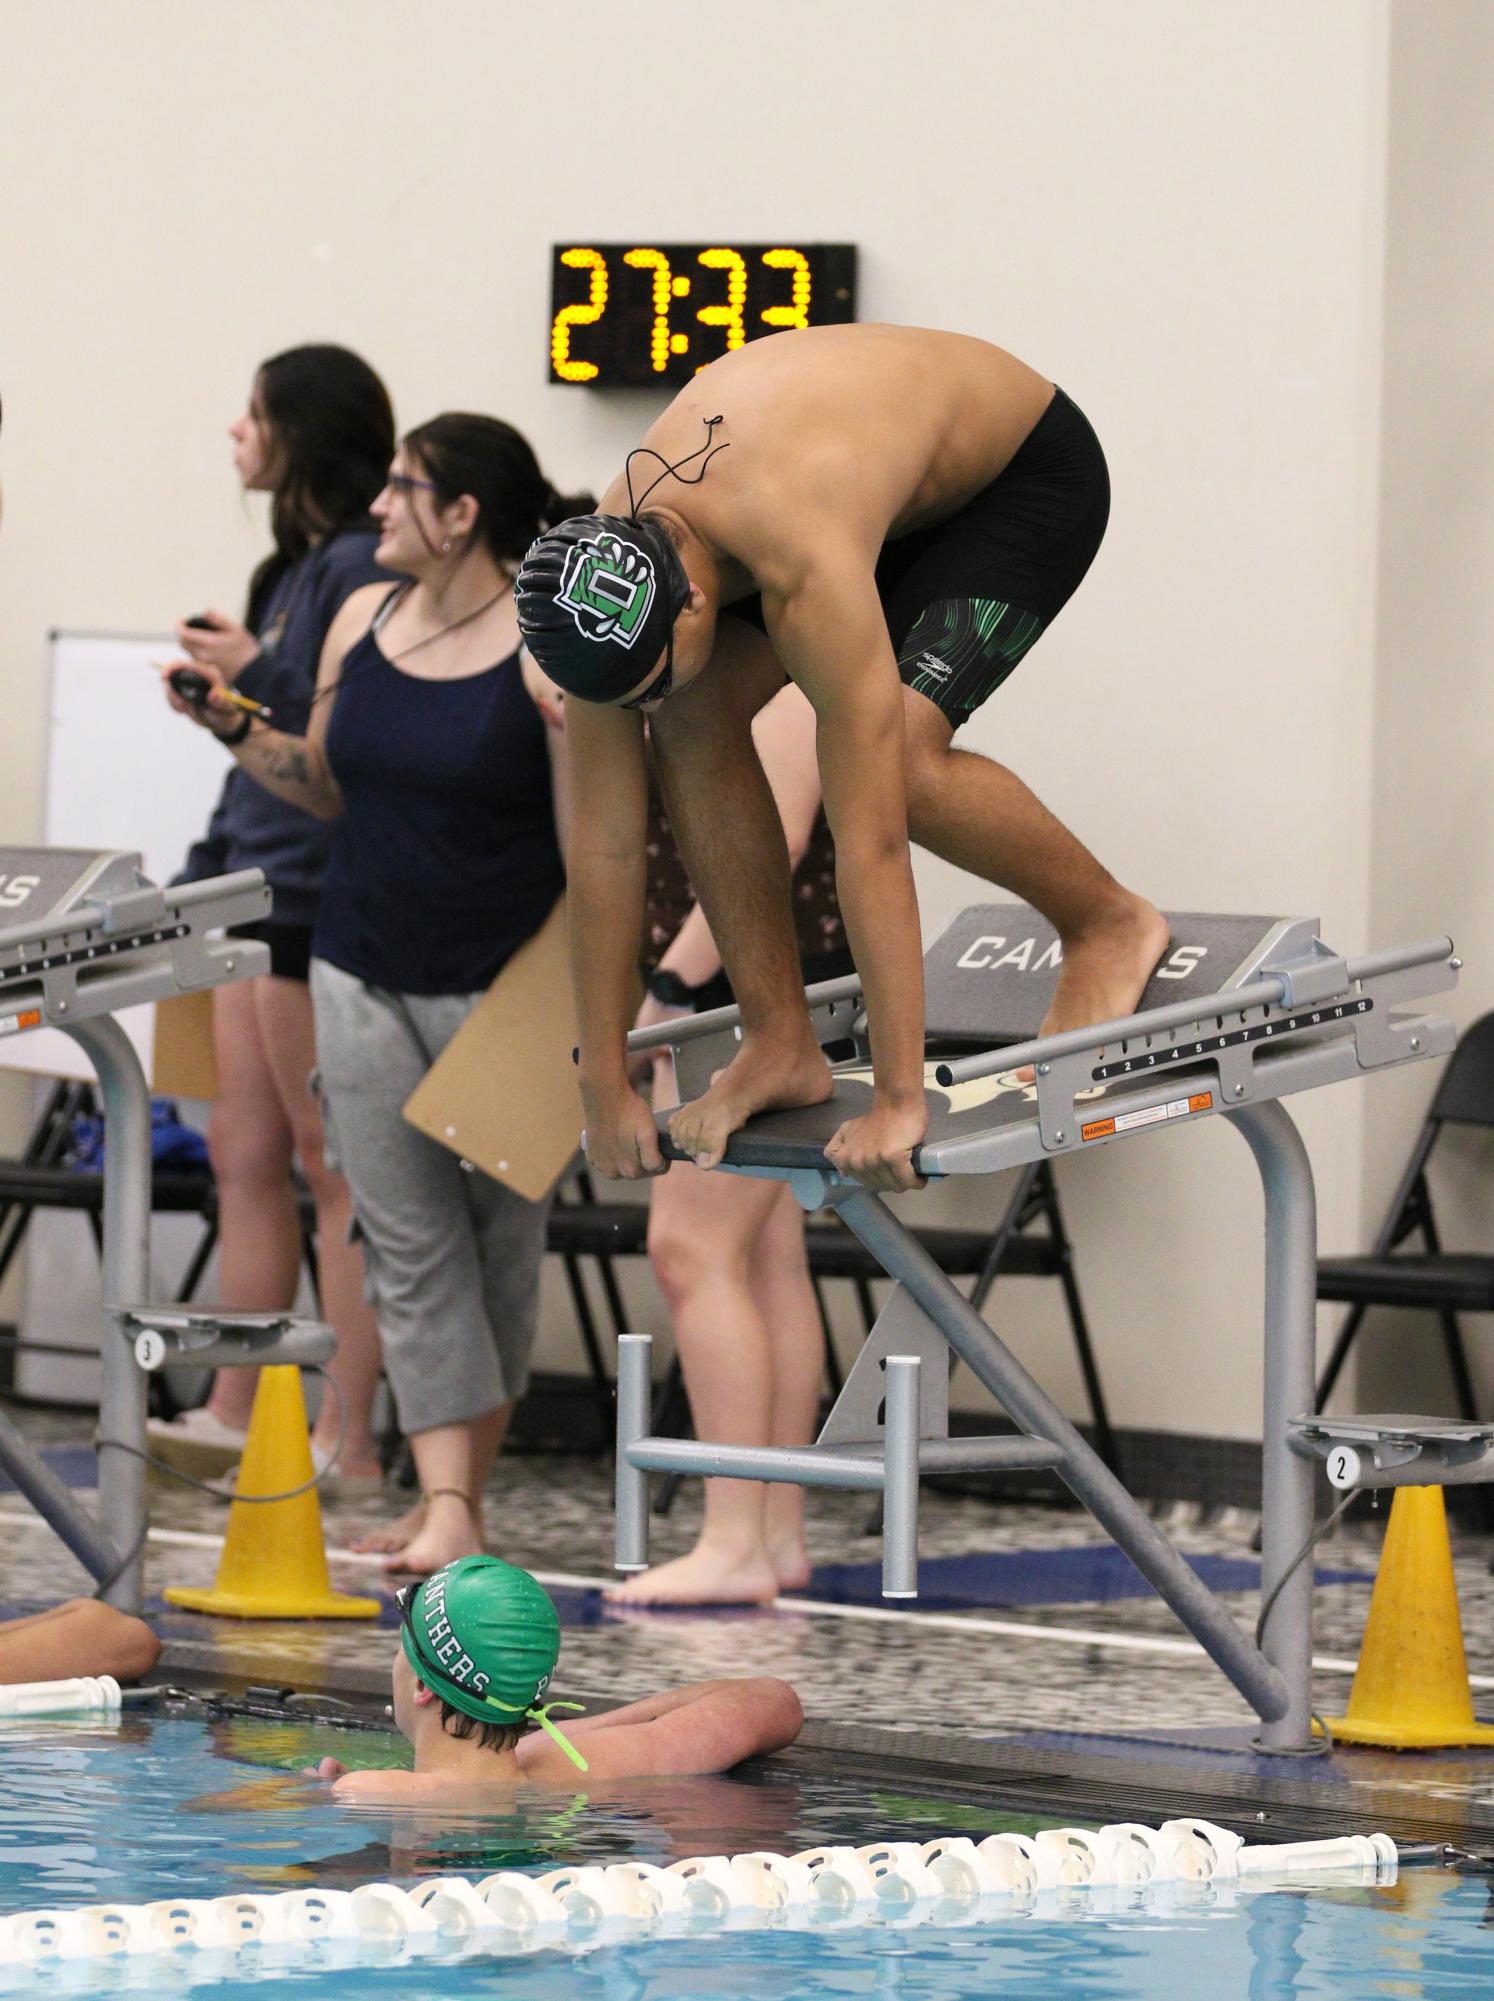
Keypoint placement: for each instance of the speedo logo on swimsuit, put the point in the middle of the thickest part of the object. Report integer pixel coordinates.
(934, 667)
(607, 586)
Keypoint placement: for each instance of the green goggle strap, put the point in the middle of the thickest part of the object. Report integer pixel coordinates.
(542, 1718)
(556, 1736)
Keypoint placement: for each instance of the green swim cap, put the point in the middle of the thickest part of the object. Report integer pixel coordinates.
(485, 1636)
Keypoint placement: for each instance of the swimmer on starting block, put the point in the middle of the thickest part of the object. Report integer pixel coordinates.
(478, 1644)
(891, 517)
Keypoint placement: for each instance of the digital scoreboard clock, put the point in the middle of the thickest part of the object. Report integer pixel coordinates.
(646, 316)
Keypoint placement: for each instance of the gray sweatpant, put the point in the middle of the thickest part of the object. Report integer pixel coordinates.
(452, 1257)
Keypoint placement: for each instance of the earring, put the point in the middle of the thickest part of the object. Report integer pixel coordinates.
(446, 547)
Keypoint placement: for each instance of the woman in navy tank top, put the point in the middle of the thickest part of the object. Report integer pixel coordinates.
(427, 753)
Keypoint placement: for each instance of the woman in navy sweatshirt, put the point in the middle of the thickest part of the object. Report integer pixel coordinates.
(317, 437)
(432, 765)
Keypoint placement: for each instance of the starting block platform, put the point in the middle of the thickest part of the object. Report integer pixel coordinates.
(84, 933)
(1240, 1013)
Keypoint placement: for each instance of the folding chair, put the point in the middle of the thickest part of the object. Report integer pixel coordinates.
(1433, 1280)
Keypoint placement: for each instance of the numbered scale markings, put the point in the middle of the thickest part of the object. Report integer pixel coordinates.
(1265, 1031)
(82, 955)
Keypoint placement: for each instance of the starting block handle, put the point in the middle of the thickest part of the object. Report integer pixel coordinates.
(214, 889)
(1264, 992)
(85, 917)
(1402, 1456)
(175, 1339)
(670, 1034)
(1347, 1467)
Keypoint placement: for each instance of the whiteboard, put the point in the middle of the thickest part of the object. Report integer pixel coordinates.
(122, 772)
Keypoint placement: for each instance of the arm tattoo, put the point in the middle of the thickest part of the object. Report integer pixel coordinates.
(290, 762)
(286, 766)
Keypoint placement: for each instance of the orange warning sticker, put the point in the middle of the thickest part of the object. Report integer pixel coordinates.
(1152, 1115)
(12, 1024)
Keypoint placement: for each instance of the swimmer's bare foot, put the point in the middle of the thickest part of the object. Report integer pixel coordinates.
(791, 1565)
(1106, 968)
(705, 1577)
(760, 1078)
(450, 1529)
(393, 1536)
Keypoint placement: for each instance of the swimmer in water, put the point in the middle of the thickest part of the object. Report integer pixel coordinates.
(478, 1645)
(890, 517)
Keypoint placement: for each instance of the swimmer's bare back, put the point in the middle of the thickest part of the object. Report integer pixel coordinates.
(831, 444)
(871, 431)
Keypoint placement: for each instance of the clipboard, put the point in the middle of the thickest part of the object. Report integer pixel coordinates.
(504, 1092)
(182, 1061)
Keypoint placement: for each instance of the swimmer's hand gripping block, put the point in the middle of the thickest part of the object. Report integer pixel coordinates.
(274, 1564)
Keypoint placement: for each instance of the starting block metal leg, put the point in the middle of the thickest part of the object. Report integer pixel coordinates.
(56, 1505)
(900, 1491)
(1286, 1478)
(1081, 1468)
(123, 1395)
(126, 1275)
(634, 1374)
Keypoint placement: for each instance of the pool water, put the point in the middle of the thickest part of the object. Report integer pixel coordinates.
(180, 1806)
(172, 1806)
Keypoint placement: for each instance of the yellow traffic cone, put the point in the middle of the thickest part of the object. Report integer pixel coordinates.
(274, 1565)
(1411, 1687)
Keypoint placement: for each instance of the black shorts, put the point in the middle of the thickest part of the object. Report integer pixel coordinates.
(290, 947)
(965, 599)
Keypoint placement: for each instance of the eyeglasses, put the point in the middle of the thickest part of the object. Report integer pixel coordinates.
(406, 483)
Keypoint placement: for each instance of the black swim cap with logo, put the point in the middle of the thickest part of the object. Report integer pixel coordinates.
(597, 598)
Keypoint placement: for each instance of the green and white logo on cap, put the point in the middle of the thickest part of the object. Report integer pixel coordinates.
(607, 586)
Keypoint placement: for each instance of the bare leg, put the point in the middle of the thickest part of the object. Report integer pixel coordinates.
(249, 1141)
(288, 1037)
(453, 1462)
(488, 1434)
(731, 838)
(713, 1240)
(780, 1283)
(980, 816)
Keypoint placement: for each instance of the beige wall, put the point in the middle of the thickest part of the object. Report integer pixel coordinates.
(1434, 819)
(1175, 208)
